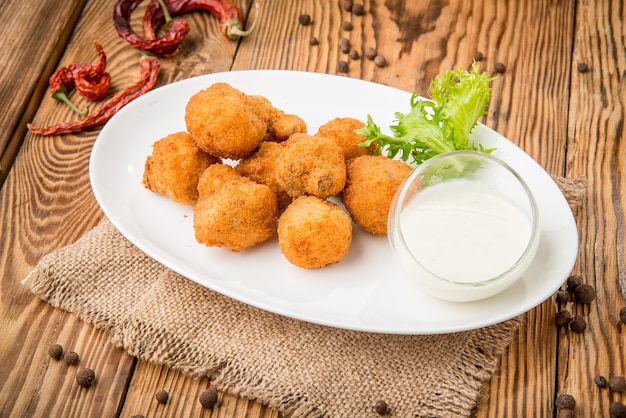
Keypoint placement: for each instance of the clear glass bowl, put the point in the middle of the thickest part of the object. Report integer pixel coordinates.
(465, 225)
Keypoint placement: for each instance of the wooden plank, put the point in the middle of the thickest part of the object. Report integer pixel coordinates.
(596, 149)
(26, 45)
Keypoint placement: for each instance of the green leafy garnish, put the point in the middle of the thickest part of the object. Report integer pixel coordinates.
(443, 124)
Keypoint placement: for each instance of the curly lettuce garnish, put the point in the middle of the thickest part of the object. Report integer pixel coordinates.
(443, 124)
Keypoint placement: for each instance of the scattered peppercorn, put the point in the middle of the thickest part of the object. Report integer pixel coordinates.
(499, 68)
(358, 9)
(313, 41)
(584, 293)
(565, 401)
(342, 66)
(354, 55)
(304, 19)
(380, 61)
(381, 407)
(347, 26)
(347, 5)
(565, 413)
(55, 351)
(562, 296)
(563, 317)
(478, 56)
(573, 281)
(71, 358)
(582, 67)
(622, 315)
(85, 377)
(208, 398)
(162, 396)
(370, 53)
(600, 381)
(617, 383)
(577, 324)
(617, 410)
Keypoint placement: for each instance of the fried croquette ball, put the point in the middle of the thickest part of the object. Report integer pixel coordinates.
(260, 166)
(224, 122)
(280, 125)
(311, 165)
(372, 181)
(233, 211)
(174, 167)
(313, 232)
(341, 130)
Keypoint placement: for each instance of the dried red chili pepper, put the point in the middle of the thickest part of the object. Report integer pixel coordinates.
(230, 16)
(162, 46)
(149, 73)
(90, 80)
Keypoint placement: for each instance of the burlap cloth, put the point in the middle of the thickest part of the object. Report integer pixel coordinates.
(303, 369)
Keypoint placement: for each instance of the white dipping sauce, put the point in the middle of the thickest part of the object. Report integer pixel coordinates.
(464, 232)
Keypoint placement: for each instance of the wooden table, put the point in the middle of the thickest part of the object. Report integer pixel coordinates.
(570, 121)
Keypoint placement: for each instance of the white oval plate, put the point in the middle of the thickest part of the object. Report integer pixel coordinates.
(366, 290)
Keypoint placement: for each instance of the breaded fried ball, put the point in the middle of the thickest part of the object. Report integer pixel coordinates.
(314, 232)
(341, 130)
(311, 165)
(224, 122)
(280, 125)
(260, 166)
(233, 211)
(372, 181)
(174, 167)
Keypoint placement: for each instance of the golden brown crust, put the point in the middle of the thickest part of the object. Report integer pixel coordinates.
(224, 122)
(311, 165)
(371, 184)
(314, 232)
(341, 130)
(260, 167)
(174, 167)
(233, 211)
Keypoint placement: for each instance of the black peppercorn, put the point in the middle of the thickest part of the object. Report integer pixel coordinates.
(304, 19)
(584, 293)
(617, 383)
(562, 296)
(354, 55)
(162, 396)
(313, 41)
(85, 377)
(358, 9)
(342, 66)
(622, 315)
(347, 5)
(499, 68)
(573, 281)
(565, 413)
(344, 45)
(582, 67)
(380, 61)
(381, 407)
(478, 56)
(55, 351)
(600, 381)
(71, 358)
(565, 401)
(370, 53)
(208, 398)
(577, 324)
(617, 410)
(563, 317)
(347, 26)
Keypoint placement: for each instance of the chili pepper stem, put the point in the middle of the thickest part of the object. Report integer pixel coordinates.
(61, 95)
(234, 32)
(166, 13)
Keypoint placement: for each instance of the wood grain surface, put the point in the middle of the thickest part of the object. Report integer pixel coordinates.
(571, 122)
